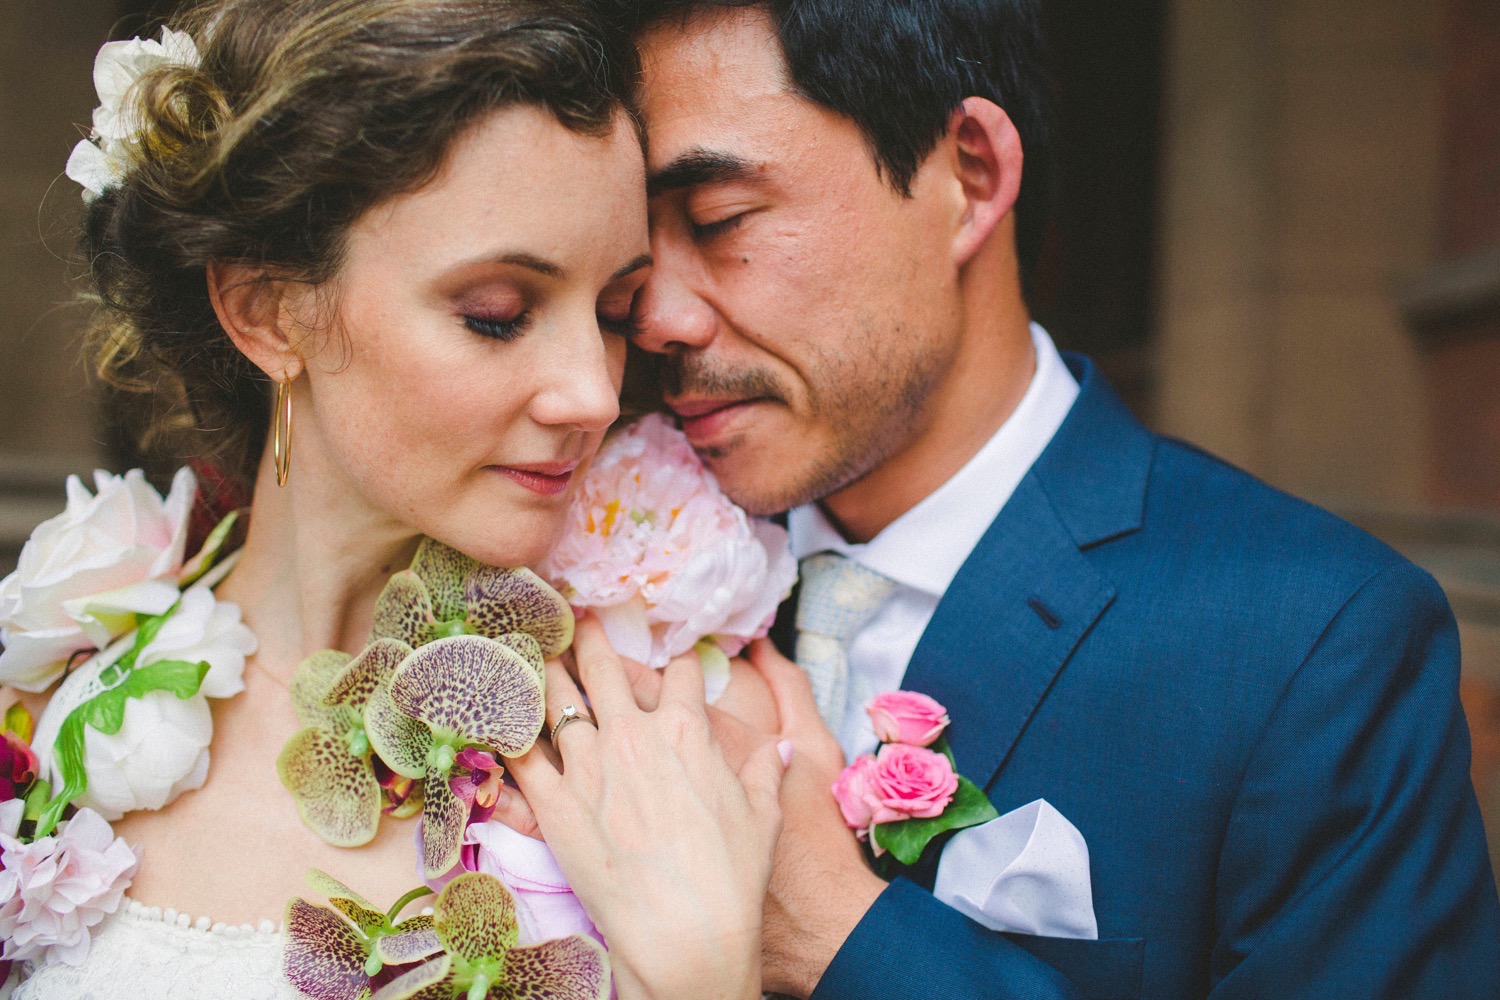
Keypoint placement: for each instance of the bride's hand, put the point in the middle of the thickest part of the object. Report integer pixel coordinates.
(668, 848)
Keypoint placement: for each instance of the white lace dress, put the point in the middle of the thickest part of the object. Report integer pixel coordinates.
(146, 953)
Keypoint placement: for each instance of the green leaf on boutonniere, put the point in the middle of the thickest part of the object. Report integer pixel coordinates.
(907, 839)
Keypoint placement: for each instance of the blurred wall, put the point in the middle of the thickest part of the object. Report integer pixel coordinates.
(48, 415)
(46, 93)
(1299, 189)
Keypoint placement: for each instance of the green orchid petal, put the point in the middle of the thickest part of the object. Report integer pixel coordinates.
(528, 647)
(478, 688)
(368, 921)
(311, 682)
(475, 916)
(401, 741)
(408, 946)
(325, 884)
(430, 981)
(570, 968)
(373, 667)
(517, 600)
(443, 570)
(323, 957)
(404, 610)
(337, 794)
(415, 922)
(444, 817)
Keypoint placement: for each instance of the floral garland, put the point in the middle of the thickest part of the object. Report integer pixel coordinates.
(104, 583)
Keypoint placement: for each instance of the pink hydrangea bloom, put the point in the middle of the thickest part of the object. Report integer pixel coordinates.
(664, 559)
(52, 892)
(907, 717)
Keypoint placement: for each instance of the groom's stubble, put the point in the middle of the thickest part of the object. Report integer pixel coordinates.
(868, 404)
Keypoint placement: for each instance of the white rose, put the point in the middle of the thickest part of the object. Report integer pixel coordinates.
(117, 125)
(84, 574)
(160, 752)
(203, 628)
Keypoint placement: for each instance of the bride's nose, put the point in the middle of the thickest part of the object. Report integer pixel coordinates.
(581, 383)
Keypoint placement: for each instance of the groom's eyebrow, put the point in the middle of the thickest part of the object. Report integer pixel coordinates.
(698, 166)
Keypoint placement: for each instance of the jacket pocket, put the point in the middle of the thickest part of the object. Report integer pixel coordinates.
(1107, 969)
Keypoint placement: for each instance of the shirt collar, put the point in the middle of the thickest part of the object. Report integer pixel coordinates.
(925, 547)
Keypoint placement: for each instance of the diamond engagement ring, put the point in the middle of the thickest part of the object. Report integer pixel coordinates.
(570, 713)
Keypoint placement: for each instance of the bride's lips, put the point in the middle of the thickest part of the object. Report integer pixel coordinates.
(547, 478)
(705, 419)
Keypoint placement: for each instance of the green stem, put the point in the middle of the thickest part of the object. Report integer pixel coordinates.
(403, 902)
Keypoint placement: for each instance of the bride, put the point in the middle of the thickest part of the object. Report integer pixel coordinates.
(377, 259)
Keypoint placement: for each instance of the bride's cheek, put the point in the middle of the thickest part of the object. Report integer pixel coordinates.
(748, 699)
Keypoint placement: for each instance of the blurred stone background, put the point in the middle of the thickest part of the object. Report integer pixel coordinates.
(1278, 229)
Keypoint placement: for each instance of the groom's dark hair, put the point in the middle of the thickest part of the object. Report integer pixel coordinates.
(898, 68)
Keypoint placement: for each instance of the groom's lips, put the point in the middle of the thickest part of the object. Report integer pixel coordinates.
(704, 420)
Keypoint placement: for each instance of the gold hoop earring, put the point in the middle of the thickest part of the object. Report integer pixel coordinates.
(281, 432)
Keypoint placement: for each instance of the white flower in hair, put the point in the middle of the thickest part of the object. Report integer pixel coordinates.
(100, 161)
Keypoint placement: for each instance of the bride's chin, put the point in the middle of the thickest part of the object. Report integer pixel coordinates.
(513, 540)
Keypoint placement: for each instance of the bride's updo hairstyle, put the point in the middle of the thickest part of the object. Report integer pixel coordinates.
(303, 115)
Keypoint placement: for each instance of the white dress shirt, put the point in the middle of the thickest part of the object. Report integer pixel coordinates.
(923, 549)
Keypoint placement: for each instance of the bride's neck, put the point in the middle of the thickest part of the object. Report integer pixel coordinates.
(315, 558)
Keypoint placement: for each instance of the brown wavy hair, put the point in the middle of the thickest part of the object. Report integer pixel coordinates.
(303, 115)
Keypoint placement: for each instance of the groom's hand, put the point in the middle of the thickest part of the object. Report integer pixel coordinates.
(820, 885)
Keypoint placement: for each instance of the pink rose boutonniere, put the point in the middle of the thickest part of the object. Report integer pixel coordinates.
(907, 792)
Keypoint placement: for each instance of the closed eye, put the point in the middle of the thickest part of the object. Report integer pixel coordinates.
(504, 330)
(709, 230)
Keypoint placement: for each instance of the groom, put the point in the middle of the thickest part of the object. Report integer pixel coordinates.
(1247, 708)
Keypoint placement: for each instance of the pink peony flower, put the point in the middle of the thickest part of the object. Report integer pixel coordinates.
(662, 556)
(907, 717)
(54, 891)
(909, 782)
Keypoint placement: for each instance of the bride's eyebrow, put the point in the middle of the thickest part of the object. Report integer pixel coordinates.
(644, 260)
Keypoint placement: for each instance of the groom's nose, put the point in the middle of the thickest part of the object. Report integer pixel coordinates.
(670, 315)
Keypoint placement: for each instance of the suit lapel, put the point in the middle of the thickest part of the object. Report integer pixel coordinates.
(1010, 620)
(1028, 593)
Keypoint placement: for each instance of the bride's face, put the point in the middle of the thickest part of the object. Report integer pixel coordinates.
(480, 327)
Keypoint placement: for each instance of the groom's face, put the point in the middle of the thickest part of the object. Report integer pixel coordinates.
(807, 311)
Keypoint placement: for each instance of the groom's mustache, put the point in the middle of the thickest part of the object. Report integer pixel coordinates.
(693, 375)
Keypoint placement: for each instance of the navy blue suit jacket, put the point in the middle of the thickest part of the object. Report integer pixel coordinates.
(1248, 708)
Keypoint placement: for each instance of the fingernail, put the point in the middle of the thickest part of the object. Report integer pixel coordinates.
(502, 801)
(785, 749)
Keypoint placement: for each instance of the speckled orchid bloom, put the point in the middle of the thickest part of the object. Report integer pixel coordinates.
(474, 919)
(451, 695)
(445, 593)
(344, 952)
(328, 765)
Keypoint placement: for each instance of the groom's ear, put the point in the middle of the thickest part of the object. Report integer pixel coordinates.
(986, 162)
(261, 314)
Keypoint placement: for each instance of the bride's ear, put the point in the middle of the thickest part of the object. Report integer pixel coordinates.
(255, 310)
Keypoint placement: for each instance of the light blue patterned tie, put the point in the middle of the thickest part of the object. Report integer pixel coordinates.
(838, 597)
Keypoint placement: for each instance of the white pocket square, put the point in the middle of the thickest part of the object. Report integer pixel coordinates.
(1027, 871)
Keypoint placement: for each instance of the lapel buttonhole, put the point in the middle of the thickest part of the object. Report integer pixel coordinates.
(1046, 614)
